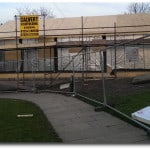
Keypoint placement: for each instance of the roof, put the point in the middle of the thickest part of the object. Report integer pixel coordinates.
(100, 24)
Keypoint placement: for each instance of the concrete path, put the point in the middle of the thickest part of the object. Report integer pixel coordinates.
(77, 123)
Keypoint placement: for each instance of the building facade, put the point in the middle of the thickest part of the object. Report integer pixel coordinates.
(83, 43)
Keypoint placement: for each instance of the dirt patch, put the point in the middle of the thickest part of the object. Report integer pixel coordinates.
(117, 86)
(94, 88)
(113, 87)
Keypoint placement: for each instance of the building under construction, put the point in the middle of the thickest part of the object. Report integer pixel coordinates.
(82, 44)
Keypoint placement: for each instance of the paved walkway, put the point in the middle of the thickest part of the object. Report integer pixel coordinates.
(77, 122)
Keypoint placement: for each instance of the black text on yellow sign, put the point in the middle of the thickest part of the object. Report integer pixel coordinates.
(29, 27)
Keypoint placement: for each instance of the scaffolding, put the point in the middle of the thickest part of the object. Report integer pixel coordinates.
(62, 63)
(52, 55)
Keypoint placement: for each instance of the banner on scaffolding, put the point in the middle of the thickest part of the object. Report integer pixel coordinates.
(29, 27)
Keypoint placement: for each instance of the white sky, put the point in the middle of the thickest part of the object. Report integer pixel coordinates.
(64, 8)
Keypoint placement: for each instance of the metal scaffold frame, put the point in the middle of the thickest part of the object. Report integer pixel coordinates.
(98, 43)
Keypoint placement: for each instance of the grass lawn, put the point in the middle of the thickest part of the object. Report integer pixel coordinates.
(24, 129)
(126, 104)
(133, 102)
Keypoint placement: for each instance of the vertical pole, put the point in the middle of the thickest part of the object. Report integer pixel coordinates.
(103, 78)
(104, 56)
(61, 59)
(105, 61)
(82, 49)
(143, 54)
(124, 56)
(51, 65)
(82, 29)
(73, 57)
(124, 52)
(111, 53)
(95, 61)
(44, 49)
(3, 55)
(115, 48)
(17, 52)
(33, 76)
(55, 57)
(23, 67)
(87, 60)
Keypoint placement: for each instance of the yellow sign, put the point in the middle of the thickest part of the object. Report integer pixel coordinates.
(29, 26)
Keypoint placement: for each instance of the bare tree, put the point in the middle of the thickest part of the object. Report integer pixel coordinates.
(46, 12)
(135, 8)
(41, 11)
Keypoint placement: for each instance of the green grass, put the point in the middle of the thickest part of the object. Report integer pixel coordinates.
(126, 104)
(29, 129)
(133, 102)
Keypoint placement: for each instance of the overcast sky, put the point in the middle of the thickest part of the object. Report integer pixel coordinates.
(65, 9)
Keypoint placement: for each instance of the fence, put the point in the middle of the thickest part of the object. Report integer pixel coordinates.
(120, 93)
(76, 77)
(98, 70)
